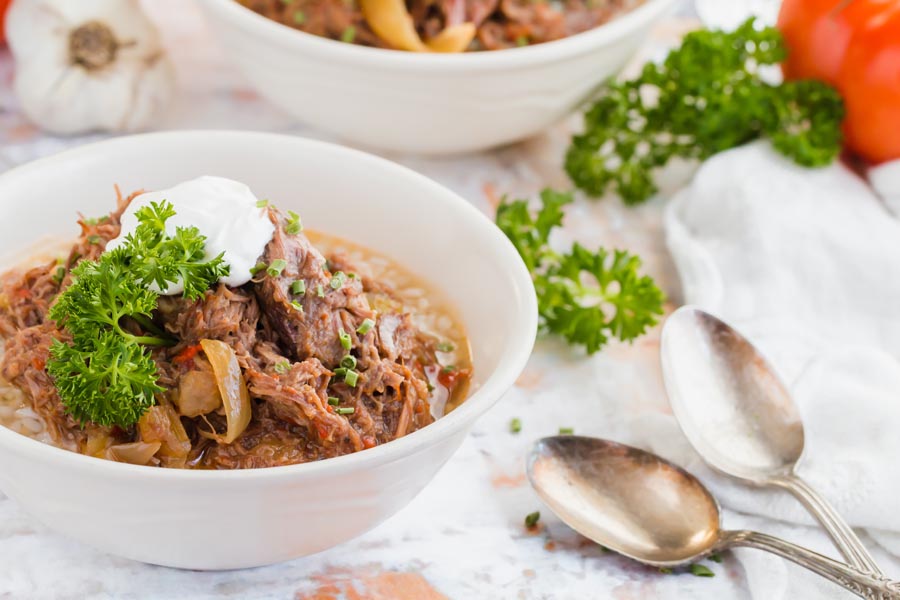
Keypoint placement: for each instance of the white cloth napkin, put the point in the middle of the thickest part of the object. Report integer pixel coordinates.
(885, 178)
(806, 262)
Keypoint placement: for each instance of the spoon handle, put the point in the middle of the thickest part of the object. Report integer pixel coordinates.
(841, 534)
(864, 585)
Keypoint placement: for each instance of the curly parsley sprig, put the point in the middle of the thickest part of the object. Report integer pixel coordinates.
(586, 297)
(106, 375)
(707, 96)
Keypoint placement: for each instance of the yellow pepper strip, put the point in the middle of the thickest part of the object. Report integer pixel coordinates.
(453, 39)
(390, 21)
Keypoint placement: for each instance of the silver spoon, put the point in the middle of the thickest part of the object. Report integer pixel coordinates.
(648, 509)
(740, 418)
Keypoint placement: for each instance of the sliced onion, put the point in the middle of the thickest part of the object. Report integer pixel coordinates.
(232, 387)
(198, 393)
(161, 424)
(391, 21)
(96, 444)
(135, 453)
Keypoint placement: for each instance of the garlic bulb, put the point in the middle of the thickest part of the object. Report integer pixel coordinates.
(87, 65)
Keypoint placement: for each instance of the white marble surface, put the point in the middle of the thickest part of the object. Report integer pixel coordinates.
(463, 538)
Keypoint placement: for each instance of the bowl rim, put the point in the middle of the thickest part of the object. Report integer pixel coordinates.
(514, 356)
(493, 60)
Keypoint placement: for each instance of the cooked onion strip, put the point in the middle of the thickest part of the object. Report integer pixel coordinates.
(390, 21)
(161, 424)
(232, 387)
(135, 453)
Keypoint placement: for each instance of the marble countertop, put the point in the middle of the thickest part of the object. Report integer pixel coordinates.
(463, 537)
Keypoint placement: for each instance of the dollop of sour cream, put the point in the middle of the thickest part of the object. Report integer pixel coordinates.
(224, 210)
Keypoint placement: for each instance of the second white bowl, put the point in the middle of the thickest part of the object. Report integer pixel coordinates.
(426, 103)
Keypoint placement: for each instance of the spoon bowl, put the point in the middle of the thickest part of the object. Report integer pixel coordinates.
(728, 399)
(625, 499)
(648, 509)
(739, 416)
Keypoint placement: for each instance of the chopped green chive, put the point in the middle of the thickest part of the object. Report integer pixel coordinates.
(352, 275)
(262, 203)
(340, 372)
(515, 425)
(446, 347)
(276, 267)
(94, 239)
(365, 327)
(532, 519)
(348, 362)
(294, 226)
(346, 342)
(448, 369)
(431, 387)
(297, 305)
(351, 377)
(566, 431)
(334, 401)
(337, 280)
(347, 410)
(521, 41)
(320, 291)
(299, 17)
(701, 571)
(716, 558)
(256, 269)
(665, 570)
(349, 35)
(282, 366)
(59, 274)
(298, 287)
(90, 221)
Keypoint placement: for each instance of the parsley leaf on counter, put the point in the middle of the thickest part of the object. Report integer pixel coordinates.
(529, 234)
(706, 97)
(106, 375)
(586, 297)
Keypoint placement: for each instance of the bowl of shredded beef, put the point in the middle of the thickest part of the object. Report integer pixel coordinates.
(426, 76)
(368, 342)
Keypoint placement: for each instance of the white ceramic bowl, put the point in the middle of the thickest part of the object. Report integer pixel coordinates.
(426, 103)
(234, 519)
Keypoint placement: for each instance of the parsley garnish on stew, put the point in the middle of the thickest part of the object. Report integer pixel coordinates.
(106, 375)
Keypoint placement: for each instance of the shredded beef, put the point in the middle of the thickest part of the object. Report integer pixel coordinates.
(25, 297)
(289, 350)
(227, 314)
(24, 358)
(313, 330)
